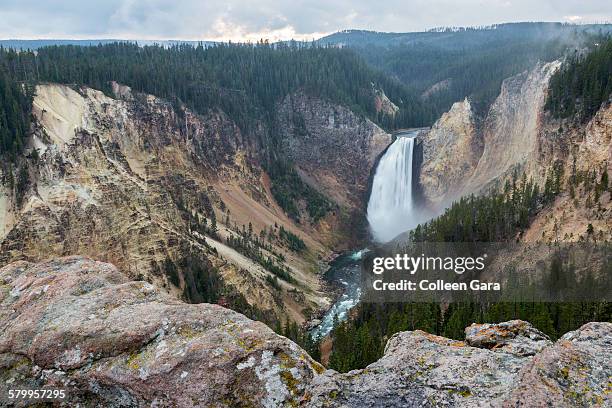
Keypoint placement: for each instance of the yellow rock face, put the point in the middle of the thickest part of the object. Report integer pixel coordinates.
(125, 179)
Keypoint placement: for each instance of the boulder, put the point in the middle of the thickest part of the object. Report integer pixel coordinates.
(423, 370)
(575, 372)
(420, 369)
(81, 325)
(515, 336)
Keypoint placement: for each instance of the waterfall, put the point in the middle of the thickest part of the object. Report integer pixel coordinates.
(390, 209)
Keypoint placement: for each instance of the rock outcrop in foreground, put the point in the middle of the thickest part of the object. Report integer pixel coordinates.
(82, 325)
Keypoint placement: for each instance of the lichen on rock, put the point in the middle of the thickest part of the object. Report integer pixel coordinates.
(149, 349)
(83, 326)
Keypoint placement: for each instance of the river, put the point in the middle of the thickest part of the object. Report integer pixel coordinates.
(345, 270)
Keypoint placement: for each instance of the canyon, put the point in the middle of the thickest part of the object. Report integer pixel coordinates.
(127, 179)
(132, 204)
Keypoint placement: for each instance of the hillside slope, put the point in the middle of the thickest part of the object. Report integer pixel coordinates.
(173, 197)
(448, 64)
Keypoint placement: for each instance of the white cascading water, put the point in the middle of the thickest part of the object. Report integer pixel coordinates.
(390, 212)
(390, 209)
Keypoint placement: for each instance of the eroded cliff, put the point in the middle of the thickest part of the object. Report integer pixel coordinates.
(465, 154)
(451, 150)
(333, 148)
(510, 130)
(156, 189)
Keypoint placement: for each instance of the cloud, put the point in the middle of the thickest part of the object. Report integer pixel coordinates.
(272, 19)
(573, 19)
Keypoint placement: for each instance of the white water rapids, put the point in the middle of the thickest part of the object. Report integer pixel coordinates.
(390, 209)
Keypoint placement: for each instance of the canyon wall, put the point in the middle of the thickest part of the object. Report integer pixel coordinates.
(133, 180)
(333, 149)
(510, 130)
(581, 152)
(465, 154)
(451, 150)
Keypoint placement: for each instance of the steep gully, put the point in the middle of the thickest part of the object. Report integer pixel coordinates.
(390, 212)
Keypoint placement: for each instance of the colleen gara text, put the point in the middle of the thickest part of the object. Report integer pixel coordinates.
(437, 285)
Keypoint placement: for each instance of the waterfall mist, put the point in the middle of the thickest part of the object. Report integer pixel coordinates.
(390, 208)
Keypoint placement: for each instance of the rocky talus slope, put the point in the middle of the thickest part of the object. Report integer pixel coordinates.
(134, 180)
(78, 324)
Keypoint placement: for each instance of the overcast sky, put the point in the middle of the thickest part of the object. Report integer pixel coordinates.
(273, 19)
